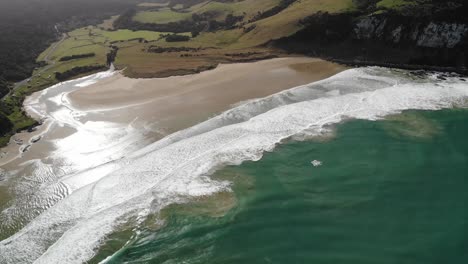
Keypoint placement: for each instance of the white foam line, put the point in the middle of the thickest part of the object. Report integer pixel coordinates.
(107, 140)
(107, 146)
(176, 168)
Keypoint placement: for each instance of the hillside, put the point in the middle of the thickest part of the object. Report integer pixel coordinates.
(411, 34)
(27, 29)
(162, 38)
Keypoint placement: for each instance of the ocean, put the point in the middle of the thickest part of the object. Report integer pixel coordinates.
(391, 191)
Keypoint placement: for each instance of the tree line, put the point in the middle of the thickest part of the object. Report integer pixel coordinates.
(27, 28)
(78, 56)
(79, 70)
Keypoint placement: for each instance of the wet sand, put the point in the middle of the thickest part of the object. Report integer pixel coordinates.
(85, 127)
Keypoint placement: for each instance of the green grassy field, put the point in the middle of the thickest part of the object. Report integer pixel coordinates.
(247, 8)
(87, 40)
(408, 7)
(93, 39)
(395, 4)
(161, 17)
(283, 24)
(152, 4)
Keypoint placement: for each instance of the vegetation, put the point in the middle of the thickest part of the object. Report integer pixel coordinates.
(4, 86)
(395, 4)
(274, 10)
(78, 56)
(27, 28)
(22, 41)
(418, 8)
(388, 33)
(161, 17)
(5, 124)
(177, 38)
(126, 21)
(75, 71)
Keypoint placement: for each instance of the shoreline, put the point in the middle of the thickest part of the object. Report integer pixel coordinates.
(32, 131)
(268, 55)
(26, 135)
(176, 168)
(447, 72)
(104, 117)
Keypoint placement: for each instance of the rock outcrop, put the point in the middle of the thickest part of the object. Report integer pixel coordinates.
(423, 34)
(387, 39)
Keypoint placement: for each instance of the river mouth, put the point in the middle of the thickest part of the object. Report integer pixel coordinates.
(142, 178)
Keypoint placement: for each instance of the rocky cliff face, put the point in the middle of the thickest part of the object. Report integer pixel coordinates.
(383, 39)
(441, 35)
(428, 34)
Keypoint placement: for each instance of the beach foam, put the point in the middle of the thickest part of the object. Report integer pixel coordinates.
(177, 167)
(88, 145)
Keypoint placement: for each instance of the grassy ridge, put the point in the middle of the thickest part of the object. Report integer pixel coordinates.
(246, 8)
(282, 24)
(287, 22)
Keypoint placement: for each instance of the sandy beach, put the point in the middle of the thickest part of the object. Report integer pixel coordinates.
(98, 119)
(181, 101)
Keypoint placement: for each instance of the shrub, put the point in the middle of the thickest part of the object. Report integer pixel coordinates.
(177, 38)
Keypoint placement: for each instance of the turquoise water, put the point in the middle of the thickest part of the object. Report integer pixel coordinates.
(393, 191)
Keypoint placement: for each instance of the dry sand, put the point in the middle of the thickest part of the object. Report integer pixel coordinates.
(178, 102)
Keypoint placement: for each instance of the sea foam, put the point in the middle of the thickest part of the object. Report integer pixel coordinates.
(177, 167)
(40, 183)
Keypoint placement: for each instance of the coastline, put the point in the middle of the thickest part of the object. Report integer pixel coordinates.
(234, 131)
(83, 129)
(125, 92)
